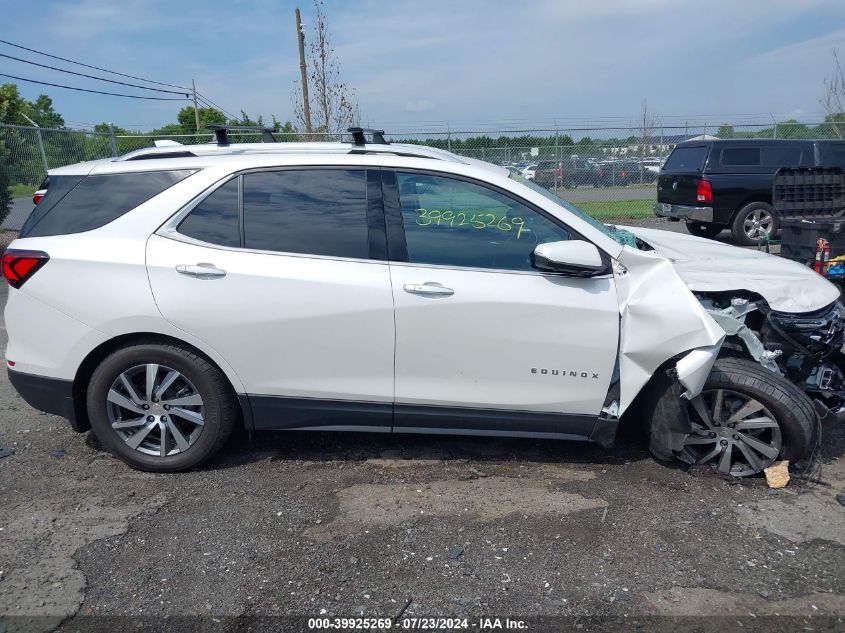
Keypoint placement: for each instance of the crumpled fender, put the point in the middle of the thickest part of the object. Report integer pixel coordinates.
(660, 319)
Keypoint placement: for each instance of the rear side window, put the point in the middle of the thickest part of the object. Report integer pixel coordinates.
(686, 158)
(215, 219)
(94, 201)
(309, 211)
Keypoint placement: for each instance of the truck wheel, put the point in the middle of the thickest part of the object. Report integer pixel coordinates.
(704, 229)
(745, 419)
(159, 407)
(753, 222)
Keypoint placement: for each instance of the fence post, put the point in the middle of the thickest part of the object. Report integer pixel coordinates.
(41, 150)
(557, 157)
(113, 141)
(449, 136)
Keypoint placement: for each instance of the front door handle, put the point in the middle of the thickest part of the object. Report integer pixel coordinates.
(201, 271)
(428, 289)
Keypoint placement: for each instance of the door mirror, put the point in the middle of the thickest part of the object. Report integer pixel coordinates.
(572, 257)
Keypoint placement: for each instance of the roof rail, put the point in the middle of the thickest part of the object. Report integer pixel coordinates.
(221, 132)
(358, 137)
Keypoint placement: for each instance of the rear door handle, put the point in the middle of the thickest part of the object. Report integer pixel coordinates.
(428, 289)
(201, 271)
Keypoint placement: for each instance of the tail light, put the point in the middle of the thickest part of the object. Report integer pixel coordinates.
(19, 266)
(560, 171)
(38, 196)
(622, 174)
(704, 191)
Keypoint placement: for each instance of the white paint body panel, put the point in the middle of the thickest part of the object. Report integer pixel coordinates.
(289, 325)
(661, 319)
(477, 347)
(710, 266)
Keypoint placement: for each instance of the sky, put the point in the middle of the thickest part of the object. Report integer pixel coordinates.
(468, 64)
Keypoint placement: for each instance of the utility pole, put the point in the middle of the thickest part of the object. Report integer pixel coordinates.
(306, 106)
(196, 110)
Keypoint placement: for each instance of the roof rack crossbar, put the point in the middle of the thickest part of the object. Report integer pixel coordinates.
(358, 137)
(221, 132)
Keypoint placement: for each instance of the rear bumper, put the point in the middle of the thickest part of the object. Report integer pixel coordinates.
(683, 212)
(51, 395)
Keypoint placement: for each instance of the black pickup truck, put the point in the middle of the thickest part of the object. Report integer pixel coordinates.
(717, 184)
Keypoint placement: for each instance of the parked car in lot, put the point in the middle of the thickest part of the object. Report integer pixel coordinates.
(529, 171)
(568, 173)
(166, 296)
(624, 173)
(718, 184)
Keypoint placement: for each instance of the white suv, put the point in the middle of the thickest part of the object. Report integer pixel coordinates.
(166, 296)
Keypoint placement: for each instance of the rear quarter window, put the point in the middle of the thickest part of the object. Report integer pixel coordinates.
(76, 204)
(686, 158)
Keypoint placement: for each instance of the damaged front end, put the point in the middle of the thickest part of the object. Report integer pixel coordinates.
(803, 347)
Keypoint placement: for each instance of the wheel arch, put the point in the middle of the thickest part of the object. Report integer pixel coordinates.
(98, 354)
(755, 197)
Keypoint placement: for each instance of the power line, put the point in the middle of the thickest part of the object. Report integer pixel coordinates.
(209, 102)
(72, 72)
(70, 61)
(99, 92)
(105, 70)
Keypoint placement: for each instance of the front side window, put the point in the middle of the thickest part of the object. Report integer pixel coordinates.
(832, 154)
(781, 156)
(457, 223)
(309, 211)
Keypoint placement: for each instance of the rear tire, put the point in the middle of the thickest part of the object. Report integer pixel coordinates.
(178, 423)
(753, 222)
(778, 422)
(704, 229)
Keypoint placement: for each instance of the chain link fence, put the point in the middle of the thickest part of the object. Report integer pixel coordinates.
(608, 171)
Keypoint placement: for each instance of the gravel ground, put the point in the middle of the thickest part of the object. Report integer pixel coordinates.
(311, 524)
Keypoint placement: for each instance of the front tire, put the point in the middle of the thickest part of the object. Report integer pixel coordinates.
(703, 229)
(745, 419)
(160, 407)
(753, 222)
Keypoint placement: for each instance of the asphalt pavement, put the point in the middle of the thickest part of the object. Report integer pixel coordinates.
(21, 208)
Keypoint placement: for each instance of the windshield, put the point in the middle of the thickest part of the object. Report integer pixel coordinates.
(626, 238)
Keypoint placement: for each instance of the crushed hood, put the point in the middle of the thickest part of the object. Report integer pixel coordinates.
(710, 266)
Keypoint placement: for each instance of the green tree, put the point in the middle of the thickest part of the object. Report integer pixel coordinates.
(12, 105)
(42, 112)
(106, 128)
(208, 116)
(725, 131)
